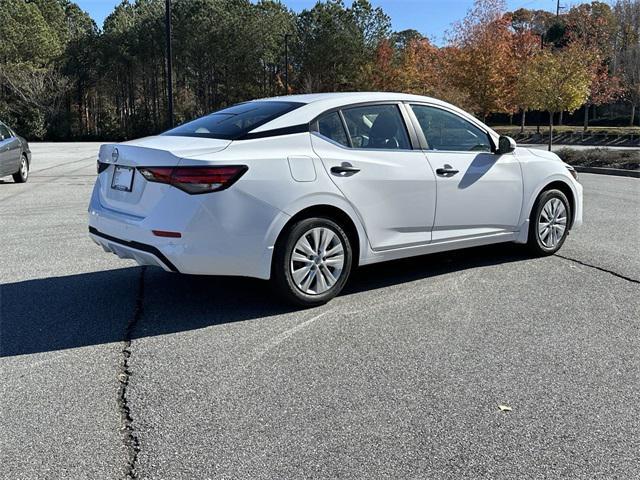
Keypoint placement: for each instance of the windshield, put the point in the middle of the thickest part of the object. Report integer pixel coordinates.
(235, 121)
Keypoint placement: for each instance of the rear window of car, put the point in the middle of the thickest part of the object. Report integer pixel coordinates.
(233, 122)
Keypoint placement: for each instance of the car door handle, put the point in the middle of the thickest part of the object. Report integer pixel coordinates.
(345, 170)
(446, 171)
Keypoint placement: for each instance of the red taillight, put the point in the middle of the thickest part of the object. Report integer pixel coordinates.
(195, 179)
(157, 174)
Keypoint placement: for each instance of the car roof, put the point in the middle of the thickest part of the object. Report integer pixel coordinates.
(348, 97)
(318, 103)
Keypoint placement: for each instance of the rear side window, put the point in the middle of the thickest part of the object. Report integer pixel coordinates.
(376, 126)
(233, 122)
(330, 126)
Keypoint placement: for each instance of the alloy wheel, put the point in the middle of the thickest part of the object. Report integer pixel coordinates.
(317, 261)
(24, 169)
(552, 223)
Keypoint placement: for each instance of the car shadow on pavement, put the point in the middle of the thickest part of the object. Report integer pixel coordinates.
(380, 275)
(95, 308)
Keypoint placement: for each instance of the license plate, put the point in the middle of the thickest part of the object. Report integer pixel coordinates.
(122, 179)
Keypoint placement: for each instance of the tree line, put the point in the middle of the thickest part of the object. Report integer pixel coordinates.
(62, 77)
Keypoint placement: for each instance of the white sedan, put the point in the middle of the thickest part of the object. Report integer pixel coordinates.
(302, 189)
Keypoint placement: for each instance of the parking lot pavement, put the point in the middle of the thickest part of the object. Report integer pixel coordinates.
(62, 316)
(399, 377)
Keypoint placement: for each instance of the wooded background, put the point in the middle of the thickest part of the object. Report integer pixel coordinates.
(62, 77)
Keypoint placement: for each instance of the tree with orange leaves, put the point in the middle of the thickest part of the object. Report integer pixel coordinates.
(481, 63)
(418, 68)
(383, 76)
(604, 88)
(592, 27)
(412, 64)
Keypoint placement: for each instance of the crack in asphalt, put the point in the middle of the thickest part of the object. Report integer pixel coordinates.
(129, 436)
(602, 269)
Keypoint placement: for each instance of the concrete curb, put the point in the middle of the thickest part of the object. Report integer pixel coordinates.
(609, 171)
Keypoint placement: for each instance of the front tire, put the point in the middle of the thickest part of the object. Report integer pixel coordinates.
(312, 262)
(22, 174)
(549, 223)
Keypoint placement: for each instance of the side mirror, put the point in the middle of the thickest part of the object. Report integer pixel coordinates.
(505, 145)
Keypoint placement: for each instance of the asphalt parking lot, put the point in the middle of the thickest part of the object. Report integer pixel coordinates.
(400, 377)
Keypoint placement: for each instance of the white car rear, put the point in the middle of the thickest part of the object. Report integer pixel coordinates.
(302, 189)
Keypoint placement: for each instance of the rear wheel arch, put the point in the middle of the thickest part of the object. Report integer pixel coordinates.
(333, 213)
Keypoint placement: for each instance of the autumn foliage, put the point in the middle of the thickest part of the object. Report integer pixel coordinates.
(68, 78)
(498, 62)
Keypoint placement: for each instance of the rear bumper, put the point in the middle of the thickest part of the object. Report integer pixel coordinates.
(224, 233)
(140, 252)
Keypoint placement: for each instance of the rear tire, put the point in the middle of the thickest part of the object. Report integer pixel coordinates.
(312, 262)
(549, 223)
(22, 175)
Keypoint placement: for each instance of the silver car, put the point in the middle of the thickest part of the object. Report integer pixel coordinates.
(15, 156)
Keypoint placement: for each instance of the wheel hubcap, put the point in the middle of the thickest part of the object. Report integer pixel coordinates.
(317, 261)
(552, 223)
(24, 171)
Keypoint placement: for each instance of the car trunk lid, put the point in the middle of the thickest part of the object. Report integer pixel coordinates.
(124, 190)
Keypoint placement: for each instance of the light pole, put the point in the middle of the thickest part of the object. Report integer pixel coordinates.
(167, 25)
(286, 63)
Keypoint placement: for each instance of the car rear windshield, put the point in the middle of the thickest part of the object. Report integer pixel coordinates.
(233, 122)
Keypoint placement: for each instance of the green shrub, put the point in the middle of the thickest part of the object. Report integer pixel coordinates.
(601, 157)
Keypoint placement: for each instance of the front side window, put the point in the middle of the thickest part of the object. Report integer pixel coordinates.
(233, 122)
(330, 126)
(376, 126)
(447, 131)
